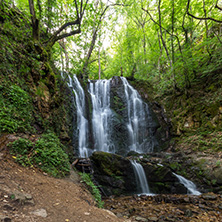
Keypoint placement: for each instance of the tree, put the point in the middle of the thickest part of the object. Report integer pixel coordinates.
(63, 31)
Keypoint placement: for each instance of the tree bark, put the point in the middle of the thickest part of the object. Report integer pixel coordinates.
(35, 21)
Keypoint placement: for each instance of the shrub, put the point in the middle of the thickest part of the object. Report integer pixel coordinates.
(93, 189)
(47, 154)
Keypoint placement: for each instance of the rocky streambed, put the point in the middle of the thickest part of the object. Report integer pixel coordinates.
(166, 207)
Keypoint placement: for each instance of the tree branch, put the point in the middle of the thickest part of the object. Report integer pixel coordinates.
(217, 6)
(65, 35)
(200, 18)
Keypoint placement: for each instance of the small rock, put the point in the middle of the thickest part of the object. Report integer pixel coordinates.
(141, 219)
(8, 207)
(188, 213)
(186, 200)
(5, 218)
(119, 214)
(28, 196)
(87, 213)
(209, 196)
(110, 212)
(22, 198)
(40, 212)
(153, 219)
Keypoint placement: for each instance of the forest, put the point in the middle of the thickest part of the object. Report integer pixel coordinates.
(119, 85)
(170, 43)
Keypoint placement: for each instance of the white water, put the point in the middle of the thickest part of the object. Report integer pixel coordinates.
(140, 177)
(101, 114)
(137, 113)
(82, 122)
(191, 187)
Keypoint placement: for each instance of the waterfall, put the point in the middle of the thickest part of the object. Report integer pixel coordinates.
(101, 114)
(140, 177)
(138, 112)
(191, 187)
(82, 122)
(137, 129)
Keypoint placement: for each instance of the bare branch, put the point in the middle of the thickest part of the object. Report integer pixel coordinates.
(200, 18)
(65, 35)
(217, 6)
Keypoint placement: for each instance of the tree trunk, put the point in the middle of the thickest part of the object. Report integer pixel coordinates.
(172, 47)
(161, 35)
(35, 21)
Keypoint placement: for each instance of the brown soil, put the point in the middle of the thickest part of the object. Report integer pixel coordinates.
(62, 199)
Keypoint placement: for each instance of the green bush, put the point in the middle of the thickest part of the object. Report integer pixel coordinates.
(47, 154)
(93, 189)
(22, 148)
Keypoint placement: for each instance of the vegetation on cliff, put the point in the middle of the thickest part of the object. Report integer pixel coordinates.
(174, 62)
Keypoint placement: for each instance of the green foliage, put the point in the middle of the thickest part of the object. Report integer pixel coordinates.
(22, 148)
(15, 110)
(93, 189)
(47, 154)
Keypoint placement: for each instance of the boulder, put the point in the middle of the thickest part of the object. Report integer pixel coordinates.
(114, 173)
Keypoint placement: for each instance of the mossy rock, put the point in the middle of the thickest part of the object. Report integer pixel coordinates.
(114, 173)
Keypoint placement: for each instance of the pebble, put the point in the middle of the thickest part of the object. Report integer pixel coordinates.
(209, 196)
(153, 219)
(40, 212)
(141, 219)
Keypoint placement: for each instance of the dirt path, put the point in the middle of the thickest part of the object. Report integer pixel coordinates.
(27, 195)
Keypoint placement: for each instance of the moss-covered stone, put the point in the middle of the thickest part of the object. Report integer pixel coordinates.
(114, 173)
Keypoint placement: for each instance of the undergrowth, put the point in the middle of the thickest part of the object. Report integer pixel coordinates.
(86, 178)
(47, 153)
(15, 109)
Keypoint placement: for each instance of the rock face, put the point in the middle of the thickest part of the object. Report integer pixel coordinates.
(130, 125)
(161, 179)
(116, 176)
(114, 173)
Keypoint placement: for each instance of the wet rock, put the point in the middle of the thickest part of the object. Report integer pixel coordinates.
(152, 219)
(209, 196)
(142, 219)
(188, 213)
(40, 213)
(162, 180)
(114, 173)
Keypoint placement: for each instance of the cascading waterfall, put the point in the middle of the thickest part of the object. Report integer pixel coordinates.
(82, 122)
(191, 187)
(140, 177)
(101, 114)
(137, 113)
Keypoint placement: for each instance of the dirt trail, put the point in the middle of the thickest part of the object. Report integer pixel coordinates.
(27, 192)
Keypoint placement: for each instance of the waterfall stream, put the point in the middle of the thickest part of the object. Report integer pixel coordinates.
(137, 113)
(101, 114)
(140, 178)
(82, 122)
(191, 187)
